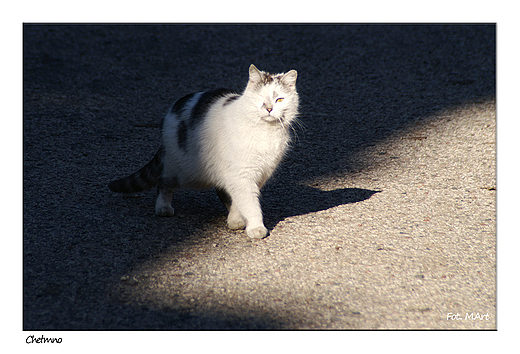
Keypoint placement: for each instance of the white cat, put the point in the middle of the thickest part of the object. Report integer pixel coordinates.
(224, 140)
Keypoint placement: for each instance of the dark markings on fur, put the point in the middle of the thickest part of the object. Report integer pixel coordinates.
(204, 103)
(224, 197)
(182, 135)
(180, 105)
(267, 78)
(144, 179)
(230, 99)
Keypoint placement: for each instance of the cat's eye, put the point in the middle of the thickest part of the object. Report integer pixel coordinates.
(278, 100)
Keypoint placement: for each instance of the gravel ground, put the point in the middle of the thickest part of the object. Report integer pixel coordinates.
(382, 216)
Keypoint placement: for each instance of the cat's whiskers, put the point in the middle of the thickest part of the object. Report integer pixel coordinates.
(295, 125)
(281, 122)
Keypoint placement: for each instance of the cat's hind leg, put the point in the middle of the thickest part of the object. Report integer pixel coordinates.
(163, 205)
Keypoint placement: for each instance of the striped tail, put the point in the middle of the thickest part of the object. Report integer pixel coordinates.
(144, 179)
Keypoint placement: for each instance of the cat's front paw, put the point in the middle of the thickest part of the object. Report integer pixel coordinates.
(235, 221)
(165, 210)
(236, 224)
(257, 232)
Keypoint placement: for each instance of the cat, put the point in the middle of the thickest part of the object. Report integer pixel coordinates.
(226, 140)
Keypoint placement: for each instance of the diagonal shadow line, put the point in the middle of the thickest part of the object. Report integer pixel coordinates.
(294, 200)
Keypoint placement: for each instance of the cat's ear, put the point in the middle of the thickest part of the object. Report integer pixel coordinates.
(254, 74)
(289, 79)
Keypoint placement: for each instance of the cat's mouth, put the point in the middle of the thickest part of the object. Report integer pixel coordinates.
(274, 120)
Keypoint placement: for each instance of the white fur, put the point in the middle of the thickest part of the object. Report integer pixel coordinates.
(236, 147)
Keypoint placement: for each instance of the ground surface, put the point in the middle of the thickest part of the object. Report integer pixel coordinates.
(382, 215)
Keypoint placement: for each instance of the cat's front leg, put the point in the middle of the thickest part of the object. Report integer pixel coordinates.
(257, 232)
(235, 220)
(247, 204)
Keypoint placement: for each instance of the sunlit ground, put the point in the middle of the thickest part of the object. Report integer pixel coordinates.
(421, 249)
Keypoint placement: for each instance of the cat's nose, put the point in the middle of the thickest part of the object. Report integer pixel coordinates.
(269, 110)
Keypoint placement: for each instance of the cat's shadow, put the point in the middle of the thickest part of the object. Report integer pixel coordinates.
(297, 200)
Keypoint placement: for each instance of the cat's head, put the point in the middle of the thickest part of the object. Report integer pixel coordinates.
(274, 96)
